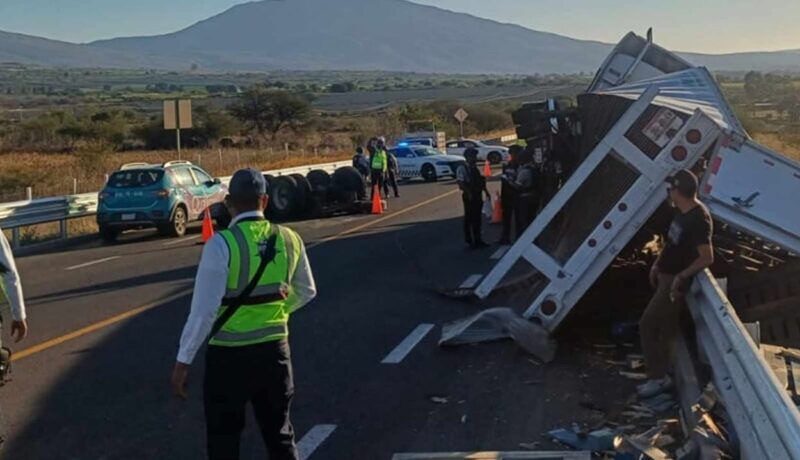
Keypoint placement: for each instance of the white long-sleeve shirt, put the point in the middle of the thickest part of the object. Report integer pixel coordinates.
(210, 285)
(10, 278)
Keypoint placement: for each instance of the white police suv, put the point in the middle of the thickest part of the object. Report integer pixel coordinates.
(424, 161)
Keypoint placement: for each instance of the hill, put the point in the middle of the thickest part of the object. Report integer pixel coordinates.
(391, 35)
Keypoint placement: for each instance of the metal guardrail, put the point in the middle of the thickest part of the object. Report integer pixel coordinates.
(23, 213)
(766, 420)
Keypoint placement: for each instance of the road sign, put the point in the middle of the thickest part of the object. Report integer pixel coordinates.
(461, 115)
(177, 116)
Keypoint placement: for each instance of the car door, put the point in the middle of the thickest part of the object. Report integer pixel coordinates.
(405, 162)
(212, 191)
(455, 148)
(192, 194)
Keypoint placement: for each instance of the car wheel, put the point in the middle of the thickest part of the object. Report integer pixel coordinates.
(177, 225)
(429, 173)
(283, 196)
(108, 234)
(495, 158)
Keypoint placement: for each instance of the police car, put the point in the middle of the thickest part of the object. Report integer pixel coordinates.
(424, 161)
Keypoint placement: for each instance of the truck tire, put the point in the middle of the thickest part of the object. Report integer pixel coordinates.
(303, 194)
(347, 180)
(270, 179)
(283, 196)
(428, 172)
(220, 215)
(320, 180)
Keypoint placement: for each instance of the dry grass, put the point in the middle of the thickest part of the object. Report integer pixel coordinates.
(789, 146)
(55, 174)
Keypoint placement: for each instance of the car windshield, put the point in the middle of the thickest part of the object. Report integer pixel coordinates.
(135, 178)
(422, 151)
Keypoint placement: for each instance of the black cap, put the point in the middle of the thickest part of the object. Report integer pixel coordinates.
(247, 184)
(471, 152)
(685, 182)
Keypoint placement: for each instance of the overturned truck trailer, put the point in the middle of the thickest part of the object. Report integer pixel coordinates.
(647, 114)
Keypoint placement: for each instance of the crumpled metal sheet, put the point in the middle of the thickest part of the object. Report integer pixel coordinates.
(500, 324)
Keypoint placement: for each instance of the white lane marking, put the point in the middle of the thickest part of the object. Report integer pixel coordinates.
(500, 253)
(88, 264)
(404, 348)
(315, 436)
(188, 238)
(470, 282)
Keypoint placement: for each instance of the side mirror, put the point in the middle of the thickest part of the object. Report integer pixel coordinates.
(213, 182)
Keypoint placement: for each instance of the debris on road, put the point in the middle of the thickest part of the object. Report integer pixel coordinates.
(439, 399)
(499, 324)
(595, 441)
(633, 375)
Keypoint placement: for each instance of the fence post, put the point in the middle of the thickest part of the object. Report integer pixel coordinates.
(15, 237)
(29, 193)
(286, 149)
(74, 185)
(220, 162)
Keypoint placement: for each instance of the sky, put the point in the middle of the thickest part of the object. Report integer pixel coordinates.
(709, 26)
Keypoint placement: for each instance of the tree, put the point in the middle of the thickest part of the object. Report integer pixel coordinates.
(211, 125)
(268, 111)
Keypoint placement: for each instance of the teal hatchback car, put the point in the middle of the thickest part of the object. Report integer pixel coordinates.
(166, 197)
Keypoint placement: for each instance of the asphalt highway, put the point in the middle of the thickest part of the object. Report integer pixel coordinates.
(92, 379)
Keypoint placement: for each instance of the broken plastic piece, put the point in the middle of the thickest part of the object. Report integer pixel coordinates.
(595, 441)
(498, 324)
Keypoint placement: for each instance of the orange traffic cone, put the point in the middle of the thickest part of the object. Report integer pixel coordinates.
(377, 203)
(487, 169)
(208, 227)
(497, 210)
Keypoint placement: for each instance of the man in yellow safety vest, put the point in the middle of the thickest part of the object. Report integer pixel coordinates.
(251, 277)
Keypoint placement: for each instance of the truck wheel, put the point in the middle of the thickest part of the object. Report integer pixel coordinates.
(176, 227)
(348, 179)
(495, 158)
(303, 194)
(108, 234)
(221, 215)
(429, 172)
(283, 196)
(320, 180)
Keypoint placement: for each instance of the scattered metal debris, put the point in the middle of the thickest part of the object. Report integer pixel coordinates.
(499, 324)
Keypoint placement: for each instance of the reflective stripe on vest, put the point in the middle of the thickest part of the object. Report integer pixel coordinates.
(264, 315)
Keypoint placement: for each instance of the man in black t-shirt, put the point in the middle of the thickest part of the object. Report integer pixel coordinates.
(686, 252)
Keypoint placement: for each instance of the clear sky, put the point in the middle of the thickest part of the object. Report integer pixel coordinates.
(713, 26)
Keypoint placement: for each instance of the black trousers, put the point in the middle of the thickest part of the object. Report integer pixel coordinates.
(260, 374)
(472, 218)
(391, 180)
(377, 181)
(508, 205)
(526, 210)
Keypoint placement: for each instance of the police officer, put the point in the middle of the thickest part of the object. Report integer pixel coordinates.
(508, 195)
(262, 269)
(392, 171)
(361, 163)
(527, 188)
(11, 286)
(379, 164)
(472, 185)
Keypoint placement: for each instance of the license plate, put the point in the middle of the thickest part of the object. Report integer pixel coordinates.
(128, 217)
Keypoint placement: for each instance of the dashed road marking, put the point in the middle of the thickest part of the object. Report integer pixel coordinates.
(405, 347)
(313, 439)
(182, 240)
(471, 281)
(500, 253)
(89, 264)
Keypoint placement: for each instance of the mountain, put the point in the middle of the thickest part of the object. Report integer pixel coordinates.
(392, 35)
(364, 35)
